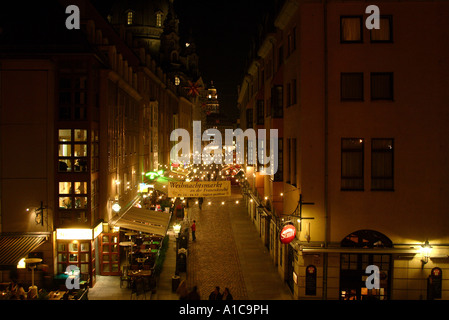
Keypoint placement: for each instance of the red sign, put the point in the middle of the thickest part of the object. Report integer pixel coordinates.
(288, 233)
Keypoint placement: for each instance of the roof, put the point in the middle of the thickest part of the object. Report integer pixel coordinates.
(14, 247)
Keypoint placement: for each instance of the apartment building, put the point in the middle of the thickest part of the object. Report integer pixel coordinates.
(85, 114)
(362, 121)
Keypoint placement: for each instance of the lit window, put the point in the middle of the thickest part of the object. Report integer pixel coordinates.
(159, 19)
(130, 17)
(351, 29)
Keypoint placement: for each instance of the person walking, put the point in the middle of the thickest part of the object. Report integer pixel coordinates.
(215, 295)
(193, 227)
(200, 202)
(227, 295)
(194, 294)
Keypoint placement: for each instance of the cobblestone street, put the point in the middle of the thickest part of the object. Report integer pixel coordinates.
(229, 253)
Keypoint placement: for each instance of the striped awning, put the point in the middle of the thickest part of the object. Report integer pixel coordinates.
(15, 247)
(144, 220)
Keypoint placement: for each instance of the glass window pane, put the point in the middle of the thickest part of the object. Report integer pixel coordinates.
(62, 257)
(106, 267)
(106, 249)
(84, 268)
(351, 29)
(80, 165)
(80, 150)
(384, 33)
(80, 135)
(73, 246)
(105, 239)
(65, 165)
(62, 247)
(73, 257)
(80, 187)
(65, 203)
(65, 187)
(65, 135)
(352, 86)
(80, 202)
(65, 150)
(84, 257)
(106, 258)
(85, 246)
(115, 268)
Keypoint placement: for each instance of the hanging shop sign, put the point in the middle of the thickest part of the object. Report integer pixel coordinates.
(196, 189)
(288, 233)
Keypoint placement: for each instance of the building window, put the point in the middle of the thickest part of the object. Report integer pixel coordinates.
(352, 86)
(291, 41)
(72, 150)
(351, 29)
(382, 164)
(249, 118)
(260, 112)
(291, 149)
(73, 97)
(381, 86)
(129, 17)
(279, 175)
(385, 33)
(277, 95)
(281, 56)
(352, 157)
(294, 92)
(159, 19)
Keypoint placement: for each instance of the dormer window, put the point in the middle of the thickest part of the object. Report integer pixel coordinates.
(129, 18)
(159, 19)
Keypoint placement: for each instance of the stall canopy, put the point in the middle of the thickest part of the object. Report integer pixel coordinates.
(14, 247)
(144, 220)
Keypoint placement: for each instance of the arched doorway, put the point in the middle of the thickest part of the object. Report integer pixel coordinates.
(353, 266)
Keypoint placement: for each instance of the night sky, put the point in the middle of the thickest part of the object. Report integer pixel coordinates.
(222, 31)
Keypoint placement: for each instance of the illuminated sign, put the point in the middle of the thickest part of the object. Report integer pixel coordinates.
(288, 233)
(74, 234)
(98, 229)
(199, 189)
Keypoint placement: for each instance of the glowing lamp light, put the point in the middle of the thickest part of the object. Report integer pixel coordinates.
(116, 207)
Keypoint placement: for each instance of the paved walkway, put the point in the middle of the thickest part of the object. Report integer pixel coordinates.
(228, 252)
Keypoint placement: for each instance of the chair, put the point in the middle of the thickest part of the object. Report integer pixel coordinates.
(138, 288)
(124, 278)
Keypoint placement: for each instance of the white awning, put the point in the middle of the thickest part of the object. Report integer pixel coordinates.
(144, 220)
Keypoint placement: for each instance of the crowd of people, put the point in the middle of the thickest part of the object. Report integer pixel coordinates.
(185, 294)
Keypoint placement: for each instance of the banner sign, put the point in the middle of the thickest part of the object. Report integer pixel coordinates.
(196, 189)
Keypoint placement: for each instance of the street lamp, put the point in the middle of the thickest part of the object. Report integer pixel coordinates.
(426, 248)
(33, 263)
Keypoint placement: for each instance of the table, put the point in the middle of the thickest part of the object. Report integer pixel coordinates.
(139, 273)
(56, 295)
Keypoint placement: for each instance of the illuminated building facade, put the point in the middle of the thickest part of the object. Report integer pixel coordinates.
(85, 115)
(361, 116)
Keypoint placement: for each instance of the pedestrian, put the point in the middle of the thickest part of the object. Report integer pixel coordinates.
(227, 295)
(182, 290)
(215, 295)
(193, 227)
(200, 202)
(194, 294)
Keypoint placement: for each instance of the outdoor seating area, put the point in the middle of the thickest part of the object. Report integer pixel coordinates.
(139, 271)
(16, 291)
